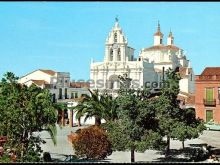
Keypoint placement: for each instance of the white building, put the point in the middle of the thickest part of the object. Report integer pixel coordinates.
(169, 56)
(119, 60)
(60, 86)
(149, 67)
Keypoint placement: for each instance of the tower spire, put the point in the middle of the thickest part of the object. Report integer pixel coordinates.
(116, 18)
(158, 36)
(170, 34)
(158, 26)
(116, 21)
(170, 38)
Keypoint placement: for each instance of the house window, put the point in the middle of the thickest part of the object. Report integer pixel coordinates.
(76, 95)
(66, 97)
(60, 93)
(209, 115)
(115, 37)
(54, 98)
(111, 54)
(119, 54)
(219, 93)
(72, 95)
(209, 94)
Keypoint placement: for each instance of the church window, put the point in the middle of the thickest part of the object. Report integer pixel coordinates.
(115, 37)
(119, 54)
(111, 54)
(191, 77)
(161, 41)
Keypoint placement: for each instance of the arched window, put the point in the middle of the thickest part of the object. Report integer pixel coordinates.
(161, 41)
(119, 54)
(111, 54)
(115, 37)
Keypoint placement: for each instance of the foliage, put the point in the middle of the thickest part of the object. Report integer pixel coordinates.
(188, 126)
(47, 157)
(92, 143)
(23, 112)
(167, 106)
(175, 122)
(100, 106)
(136, 126)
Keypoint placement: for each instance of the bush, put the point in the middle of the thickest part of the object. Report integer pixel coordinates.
(47, 157)
(92, 143)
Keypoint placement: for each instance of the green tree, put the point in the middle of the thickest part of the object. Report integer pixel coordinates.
(24, 111)
(100, 106)
(136, 126)
(188, 126)
(168, 109)
(61, 107)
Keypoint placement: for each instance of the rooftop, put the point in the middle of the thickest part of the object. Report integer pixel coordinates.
(211, 71)
(79, 84)
(163, 47)
(39, 82)
(50, 72)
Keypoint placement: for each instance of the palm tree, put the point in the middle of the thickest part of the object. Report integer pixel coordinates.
(100, 106)
(62, 107)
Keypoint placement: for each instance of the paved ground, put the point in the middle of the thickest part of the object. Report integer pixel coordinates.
(64, 148)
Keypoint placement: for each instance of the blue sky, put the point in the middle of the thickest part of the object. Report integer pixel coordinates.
(64, 36)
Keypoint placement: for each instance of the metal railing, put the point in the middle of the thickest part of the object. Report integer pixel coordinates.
(209, 102)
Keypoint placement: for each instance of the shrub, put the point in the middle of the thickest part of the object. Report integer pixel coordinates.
(92, 143)
(47, 157)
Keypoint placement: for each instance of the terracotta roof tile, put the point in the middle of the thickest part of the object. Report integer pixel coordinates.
(211, 71)
(79, 84)
(50, 72)
(158, 33)
(182, 71)
(39, 82)
(189, 99)
(162, 47)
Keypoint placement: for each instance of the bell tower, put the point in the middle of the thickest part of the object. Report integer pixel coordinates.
(158, 36)
(116, 45)
(170, 39)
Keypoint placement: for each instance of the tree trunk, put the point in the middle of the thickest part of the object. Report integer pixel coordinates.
(97, 121)
(79, 123)
(183, 144)
(71, 118)
(168, 146)
(63, 120)
(132, 154)
(22, 151)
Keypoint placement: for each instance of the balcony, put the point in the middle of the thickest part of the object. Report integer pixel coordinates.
(209, 102)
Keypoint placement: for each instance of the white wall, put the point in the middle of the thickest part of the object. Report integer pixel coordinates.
(36, 75)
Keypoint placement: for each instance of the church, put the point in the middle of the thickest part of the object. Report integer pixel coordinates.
(146, 70)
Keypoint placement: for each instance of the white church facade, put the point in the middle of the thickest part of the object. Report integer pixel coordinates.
(148, 68)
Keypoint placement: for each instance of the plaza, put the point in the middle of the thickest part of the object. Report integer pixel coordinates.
(64, 147)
